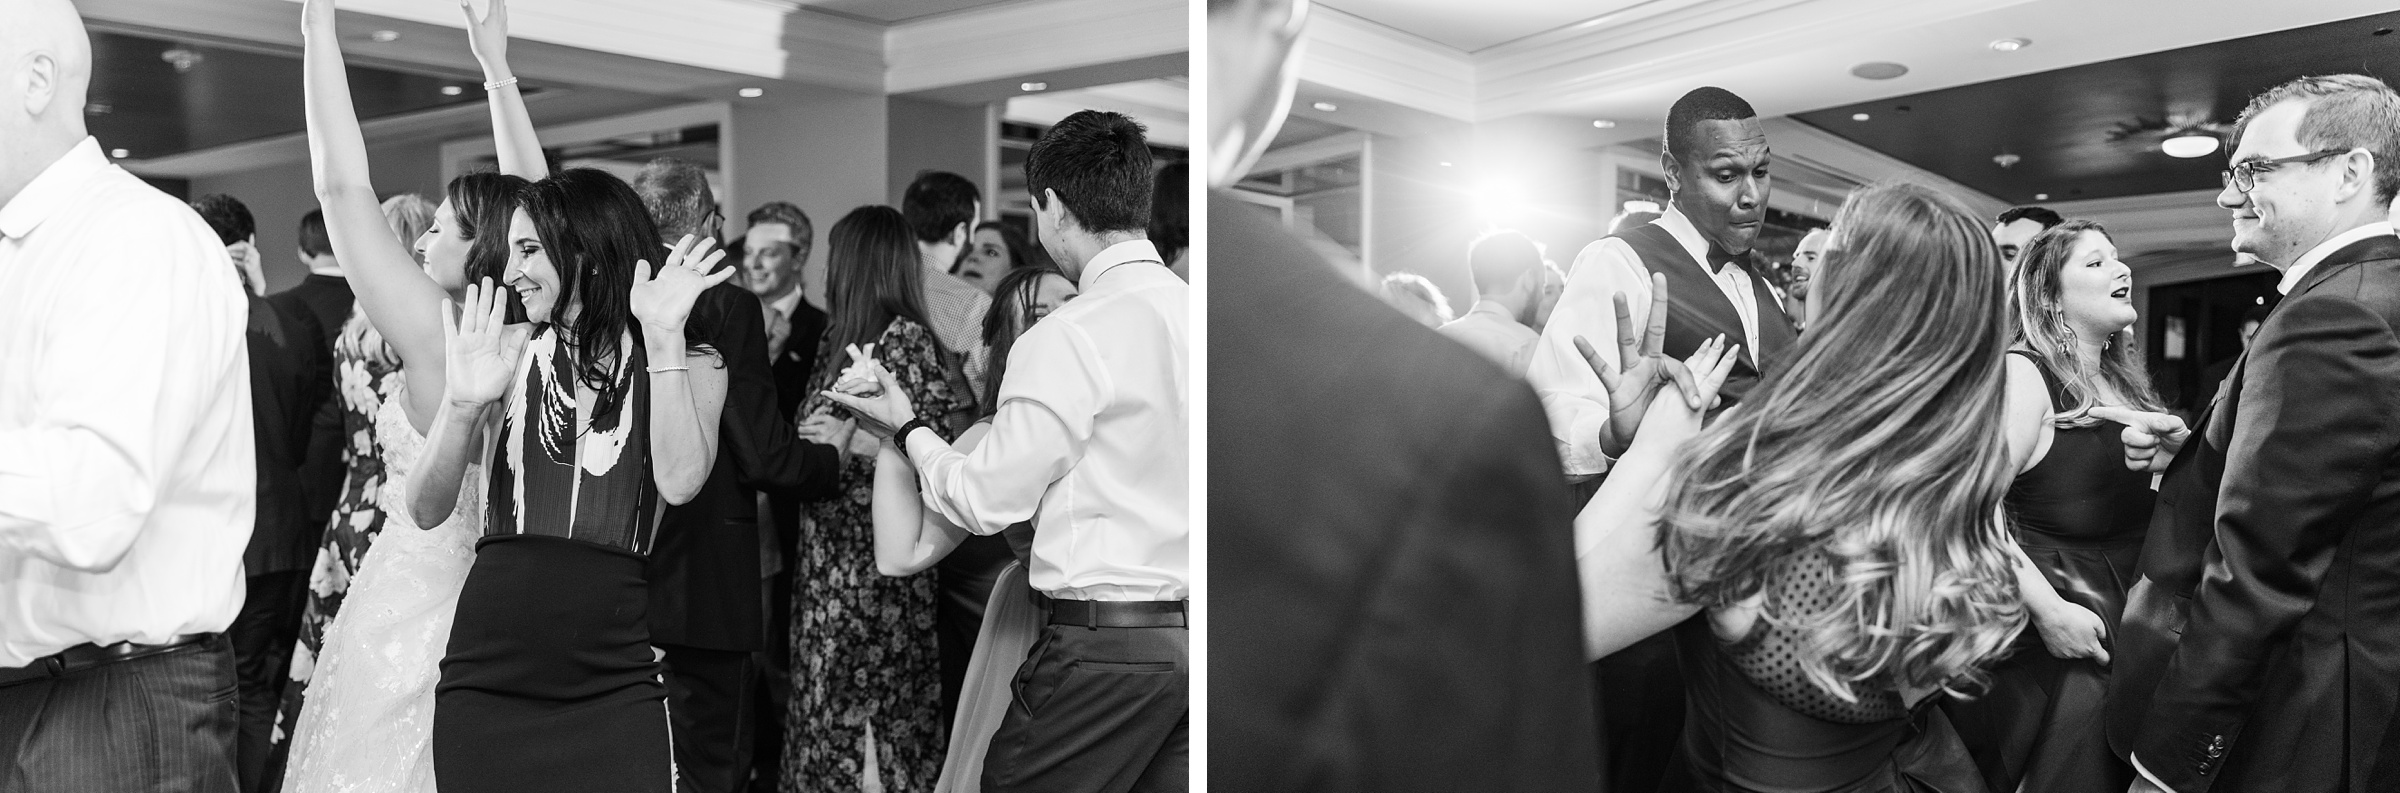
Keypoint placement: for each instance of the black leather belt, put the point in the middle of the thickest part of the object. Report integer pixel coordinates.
(1118, 613)
(85, 656)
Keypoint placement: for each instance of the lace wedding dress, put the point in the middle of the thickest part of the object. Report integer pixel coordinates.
(367, 727)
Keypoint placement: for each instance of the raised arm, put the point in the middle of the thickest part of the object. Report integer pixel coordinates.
(1573, 395)
(687, 388)
(1625, 593)
(398, 297)
(909, 537)
(512, 130)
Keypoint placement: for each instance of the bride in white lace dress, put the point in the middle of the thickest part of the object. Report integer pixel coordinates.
(369, 717)
(367, 724)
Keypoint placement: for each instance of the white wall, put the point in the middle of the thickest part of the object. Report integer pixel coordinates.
(822, 150)
(277, 196)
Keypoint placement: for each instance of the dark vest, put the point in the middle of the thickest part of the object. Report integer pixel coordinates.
(1698, 310)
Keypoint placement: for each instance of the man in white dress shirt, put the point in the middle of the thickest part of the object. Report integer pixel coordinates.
(1715, 161)
(1091, 443)
(1509, 277)
(127, 482)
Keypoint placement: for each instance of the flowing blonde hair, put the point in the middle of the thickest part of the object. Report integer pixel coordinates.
(1878, 448)
(2041, 326)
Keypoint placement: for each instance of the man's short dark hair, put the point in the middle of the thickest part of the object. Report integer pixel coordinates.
(804, 233)
(313, 241)
(1099, 164)
(937, 202)
(2041, 215)
(1170, 211)
(2345, 111)
(676, 193)
(1706, 103)
(227, 216)
(1496, 260)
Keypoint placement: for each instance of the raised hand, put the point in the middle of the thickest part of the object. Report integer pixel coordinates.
(2072, 631)
(1705, 374)
(480, 354)
(1646, 367)
(316, 16)
(882, 414)
(663, 301)
(2151, 439)
(488, 36)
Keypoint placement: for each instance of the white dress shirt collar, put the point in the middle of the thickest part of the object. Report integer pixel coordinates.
(788, 304)
(2308, 261)
(1121, 253)
(49, 191)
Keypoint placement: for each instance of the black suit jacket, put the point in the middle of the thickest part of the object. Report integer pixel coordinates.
(1393, 587)
(793, 368)
(289, 375)
(2260, 650)
(327, 299)
(703, 570)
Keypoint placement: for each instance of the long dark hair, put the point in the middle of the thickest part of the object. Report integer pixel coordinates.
(1877, 450)
(872, 276)
(595, 229)
(1011, 315)
(1022, 253)
(480, 207)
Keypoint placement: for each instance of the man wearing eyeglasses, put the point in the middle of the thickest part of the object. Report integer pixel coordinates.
(2260, 649)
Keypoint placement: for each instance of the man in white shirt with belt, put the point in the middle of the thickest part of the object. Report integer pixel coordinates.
(1510, 279)
(127, 471)
(1092, 444)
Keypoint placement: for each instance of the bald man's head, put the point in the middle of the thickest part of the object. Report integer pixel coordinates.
(45, 72)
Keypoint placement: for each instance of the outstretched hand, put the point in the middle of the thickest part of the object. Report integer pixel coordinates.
(662, 301)
(882, 414)
(479, 354)
(488, 36)
(1646, 367)
(1708, 369)
(2151, 439)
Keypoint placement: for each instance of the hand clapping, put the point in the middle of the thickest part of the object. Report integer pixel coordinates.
(664, 300)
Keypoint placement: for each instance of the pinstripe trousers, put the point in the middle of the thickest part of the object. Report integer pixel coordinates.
(162, 723)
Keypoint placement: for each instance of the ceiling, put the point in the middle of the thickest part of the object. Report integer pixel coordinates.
(140, 102)
(1162, 105)
(889, 11)
(1477, 25)
(2058, 121)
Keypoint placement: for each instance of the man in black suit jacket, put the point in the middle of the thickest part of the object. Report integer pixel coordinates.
(705, 600)
(325, 296)
(1393, 601)
(2260, 649)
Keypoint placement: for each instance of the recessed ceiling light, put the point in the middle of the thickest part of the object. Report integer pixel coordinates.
(1878, 70)
(1445, 163)
(753, 93)
(2041, 196)
(1859, 117)
(2011, 44)
(182, 59)
(1325, 107)
(1034, 86)
(118, 153)
(2189, 145)
(1604, 123)
(452, 90)
(387, 36)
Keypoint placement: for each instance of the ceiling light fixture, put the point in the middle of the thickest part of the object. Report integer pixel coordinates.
(2041, 196)
(386, 36)
(1859, 117)
(182, 59)
(118, 153)
(2005, 159)
(1603, 123)
(2190, 144)
(753, 93)
(452, 90)
(2011, 44)
(1325, 107)
(1034, 86)
(1878, 70)
(1445, 163)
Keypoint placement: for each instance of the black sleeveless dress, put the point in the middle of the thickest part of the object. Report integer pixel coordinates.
(1755, 724)
(2081, 515)
(549, 682)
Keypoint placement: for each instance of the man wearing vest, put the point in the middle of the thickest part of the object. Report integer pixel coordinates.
(1715, 161)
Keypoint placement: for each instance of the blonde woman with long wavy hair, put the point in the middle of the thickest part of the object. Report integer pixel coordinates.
(1839, 532)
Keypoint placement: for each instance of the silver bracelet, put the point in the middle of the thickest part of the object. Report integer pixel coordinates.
(664, 369)
(495, 86)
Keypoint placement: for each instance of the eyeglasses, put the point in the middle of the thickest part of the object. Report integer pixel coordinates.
(2243, 176)
(716, 215)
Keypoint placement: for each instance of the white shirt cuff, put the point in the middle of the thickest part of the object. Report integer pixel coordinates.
(2146, 775)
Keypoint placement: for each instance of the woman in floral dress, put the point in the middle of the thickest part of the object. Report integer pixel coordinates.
(865, 673)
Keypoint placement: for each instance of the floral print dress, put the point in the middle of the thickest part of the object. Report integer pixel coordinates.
(365, 374)
(863, 653)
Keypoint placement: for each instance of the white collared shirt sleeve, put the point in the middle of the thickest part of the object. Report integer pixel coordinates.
(1047, 405)
(1572, 395)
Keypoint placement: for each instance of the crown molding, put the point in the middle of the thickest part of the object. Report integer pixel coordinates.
(1029, 39)
(1349, 54)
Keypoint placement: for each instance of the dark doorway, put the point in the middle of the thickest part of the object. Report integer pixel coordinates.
(2196, 332)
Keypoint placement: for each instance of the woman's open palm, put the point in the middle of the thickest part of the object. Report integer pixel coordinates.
(480, 353)
(665, 300)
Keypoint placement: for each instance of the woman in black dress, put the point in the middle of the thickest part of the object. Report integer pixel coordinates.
(589, 417)
(1838, 532)
(2077, 511)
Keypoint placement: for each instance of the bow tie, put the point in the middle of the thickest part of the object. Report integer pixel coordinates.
(1717, 258)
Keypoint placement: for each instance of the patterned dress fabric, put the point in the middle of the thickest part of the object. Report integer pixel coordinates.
(863, 647)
